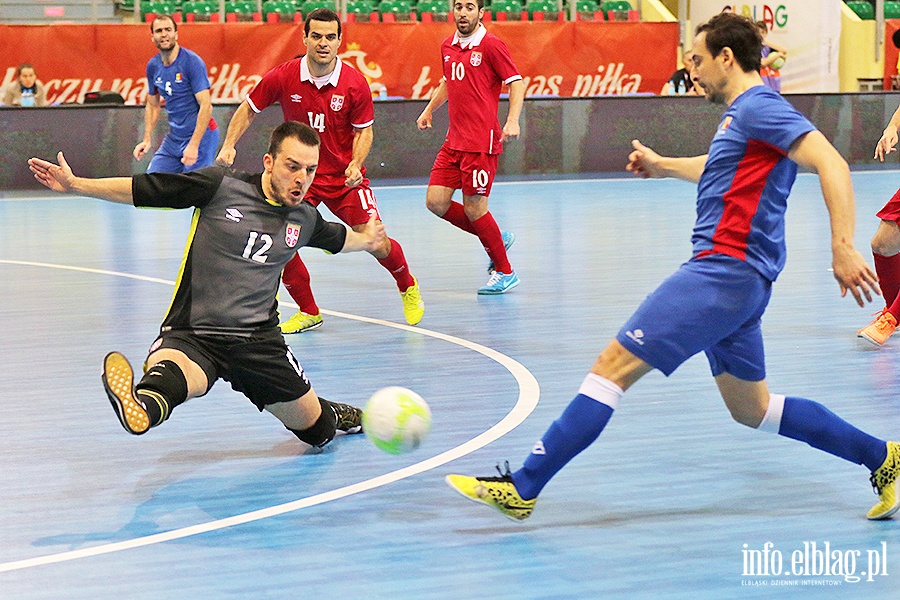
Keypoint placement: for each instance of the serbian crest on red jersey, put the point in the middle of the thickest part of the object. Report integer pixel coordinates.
(475, 59)
(292, 235)
(337, 102)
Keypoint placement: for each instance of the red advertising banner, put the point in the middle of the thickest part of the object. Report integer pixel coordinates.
(580, 58)
(891, 81)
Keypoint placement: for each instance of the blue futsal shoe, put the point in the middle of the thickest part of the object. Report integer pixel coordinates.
(499, 283)
(509, 239)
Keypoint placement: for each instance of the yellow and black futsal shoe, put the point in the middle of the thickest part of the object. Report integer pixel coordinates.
(118, 380)
(884, 482)
(497, 492)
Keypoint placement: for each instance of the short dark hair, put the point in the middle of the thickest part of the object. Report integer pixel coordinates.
(739, 33)
(480, 3)
(322, 14)
(163, 18)
(305, 134)
(25, 66)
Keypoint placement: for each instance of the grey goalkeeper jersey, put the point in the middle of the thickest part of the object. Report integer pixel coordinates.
(237, 247)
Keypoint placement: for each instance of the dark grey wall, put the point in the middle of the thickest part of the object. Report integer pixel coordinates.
(559, 136)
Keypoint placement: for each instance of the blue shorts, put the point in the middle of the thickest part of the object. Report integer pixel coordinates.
(714, 305)
(168, 158)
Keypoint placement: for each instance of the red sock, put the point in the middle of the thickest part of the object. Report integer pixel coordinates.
(489, 233)
(888, 270)
(296, 280)
(456, 215)
(395, 263)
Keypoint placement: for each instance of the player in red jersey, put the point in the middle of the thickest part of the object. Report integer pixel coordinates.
(476, 65)
(336, 101)
(886, 250)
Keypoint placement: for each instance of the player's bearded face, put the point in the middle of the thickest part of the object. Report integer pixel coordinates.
(290, 172)
(164, 35)
(466, 15)
(708, 72)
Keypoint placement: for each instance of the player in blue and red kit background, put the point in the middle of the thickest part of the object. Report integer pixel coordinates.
(178, 76)
(715, 301)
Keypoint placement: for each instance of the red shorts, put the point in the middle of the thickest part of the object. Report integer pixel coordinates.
(352, 205)
(472, 172)
(891, 210)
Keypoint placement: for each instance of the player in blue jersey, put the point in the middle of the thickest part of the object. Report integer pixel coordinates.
(714, 302)
(178, 76)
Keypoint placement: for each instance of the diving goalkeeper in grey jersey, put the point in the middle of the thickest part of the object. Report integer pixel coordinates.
(223, 321)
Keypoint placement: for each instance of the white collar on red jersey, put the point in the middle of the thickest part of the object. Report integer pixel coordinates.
(305, 75)
(473, 40)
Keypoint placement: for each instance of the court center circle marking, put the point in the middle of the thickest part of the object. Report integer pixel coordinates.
(529, 393)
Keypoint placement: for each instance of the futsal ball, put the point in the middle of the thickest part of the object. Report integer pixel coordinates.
(777, 63)
(396, 419)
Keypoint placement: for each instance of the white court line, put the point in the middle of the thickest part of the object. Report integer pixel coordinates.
(529, 393)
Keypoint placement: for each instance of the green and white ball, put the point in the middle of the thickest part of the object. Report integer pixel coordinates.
(396, 419)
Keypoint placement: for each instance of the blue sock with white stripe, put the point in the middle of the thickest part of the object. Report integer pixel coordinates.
(576, 429)
(807, 421)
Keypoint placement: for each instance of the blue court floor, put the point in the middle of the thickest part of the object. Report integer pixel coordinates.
(221, 502)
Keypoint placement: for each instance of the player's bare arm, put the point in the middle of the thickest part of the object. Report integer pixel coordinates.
(815, 152)
(189, 156)
(516, 99)
(59, 178)
(888, 140)
(151, 116)
(646, 163)
(369, 238)
(438, 98)
(362, 143)
(240, 121)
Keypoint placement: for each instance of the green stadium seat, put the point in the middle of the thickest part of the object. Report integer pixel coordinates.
(198, 10)
(433, 10)
(391, 10)
(891, 10)
(863, 10)
(278, 10)
(242, 10)
(545, 7)
(311, 5)
(511, 9)
(360, 7)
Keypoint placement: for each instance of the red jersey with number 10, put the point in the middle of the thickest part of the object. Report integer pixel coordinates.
(474, 76)
(333, 110)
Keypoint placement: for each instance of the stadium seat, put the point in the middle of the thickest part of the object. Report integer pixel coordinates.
(399, 10)
(274, 11)
(506, 10)
(433, 10)
(863, 9)
(153, 8)
(891, 10)
(199, 10)
(240, 10)
(361, 9)
(311, 5)
(539, 10)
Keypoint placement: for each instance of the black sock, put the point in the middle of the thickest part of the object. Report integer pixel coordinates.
(162, 388)
(322, 431)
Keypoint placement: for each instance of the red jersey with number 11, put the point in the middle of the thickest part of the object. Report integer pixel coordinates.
(333, 110)
(474, 76)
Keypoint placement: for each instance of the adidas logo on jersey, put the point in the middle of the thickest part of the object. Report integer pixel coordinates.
(233, 214)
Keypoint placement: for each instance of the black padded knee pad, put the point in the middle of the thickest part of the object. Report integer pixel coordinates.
(322, 431)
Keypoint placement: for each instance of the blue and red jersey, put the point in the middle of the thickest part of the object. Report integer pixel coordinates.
(742, 194)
